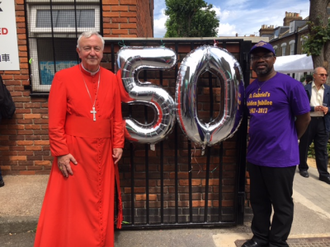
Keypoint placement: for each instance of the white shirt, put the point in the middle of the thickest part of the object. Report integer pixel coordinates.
(317, 100)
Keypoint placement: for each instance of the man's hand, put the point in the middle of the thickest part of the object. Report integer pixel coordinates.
(117, 153)
(325, 109)
(321, 108)
(63, 163)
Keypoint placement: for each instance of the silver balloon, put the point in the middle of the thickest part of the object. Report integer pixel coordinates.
(130, 61)
(224, 66)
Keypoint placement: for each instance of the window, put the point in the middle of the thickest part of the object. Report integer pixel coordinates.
(54, 26)
(292, 26)
(283, 45)
(276, 49)
(292, 47)
(63, 19)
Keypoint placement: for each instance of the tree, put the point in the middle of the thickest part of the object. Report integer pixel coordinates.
(190, 18)
(318, 42)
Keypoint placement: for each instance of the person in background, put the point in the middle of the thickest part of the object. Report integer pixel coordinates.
(278, 111)
(2, 183)
(86, 137)
(309, 78)
(318, 130)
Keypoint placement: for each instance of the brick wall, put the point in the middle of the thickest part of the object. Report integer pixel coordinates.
(23, 140)
(127, 18)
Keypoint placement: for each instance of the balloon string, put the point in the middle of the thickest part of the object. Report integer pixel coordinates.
(203, 150)
(194, 158)
(215, 169)
(122, 43)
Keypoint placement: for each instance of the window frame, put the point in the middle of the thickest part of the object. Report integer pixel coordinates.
(275, 49)
(283, 46)
(55, 32)
(292, 47)
(35, 29)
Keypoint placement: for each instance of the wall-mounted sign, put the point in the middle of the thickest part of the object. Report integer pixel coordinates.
(9, 59)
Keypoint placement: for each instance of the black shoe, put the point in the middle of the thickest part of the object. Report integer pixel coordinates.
(325, 179)
(304, 173)
(252, 243)
(2, 183)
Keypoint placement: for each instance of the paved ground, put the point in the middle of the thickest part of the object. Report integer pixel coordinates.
(22, 196)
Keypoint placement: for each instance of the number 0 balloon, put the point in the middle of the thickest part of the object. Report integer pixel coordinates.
(223, 65)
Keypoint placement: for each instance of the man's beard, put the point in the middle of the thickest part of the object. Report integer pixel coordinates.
(264, 72)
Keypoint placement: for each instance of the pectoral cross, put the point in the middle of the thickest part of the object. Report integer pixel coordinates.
(93, 112)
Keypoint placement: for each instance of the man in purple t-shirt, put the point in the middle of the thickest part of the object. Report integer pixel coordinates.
(278, 109)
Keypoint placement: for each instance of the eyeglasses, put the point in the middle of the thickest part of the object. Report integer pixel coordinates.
(264, 57)
(326, 75)
(89, 48)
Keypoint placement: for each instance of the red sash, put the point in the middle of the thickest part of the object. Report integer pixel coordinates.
(86, 127)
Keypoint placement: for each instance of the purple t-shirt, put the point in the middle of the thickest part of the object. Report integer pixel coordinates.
(273, 138)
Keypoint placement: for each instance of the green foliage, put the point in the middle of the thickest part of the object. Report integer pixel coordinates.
(190, 18)
(303, 77)
(319, 35)
(311, 150)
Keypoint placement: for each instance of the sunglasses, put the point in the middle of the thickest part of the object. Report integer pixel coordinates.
(326, 75)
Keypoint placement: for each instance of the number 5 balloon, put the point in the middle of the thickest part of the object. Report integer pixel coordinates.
(130, 61)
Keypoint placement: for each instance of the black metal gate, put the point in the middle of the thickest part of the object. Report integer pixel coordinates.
(176, 185)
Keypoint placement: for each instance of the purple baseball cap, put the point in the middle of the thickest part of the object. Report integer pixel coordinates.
(264, 45)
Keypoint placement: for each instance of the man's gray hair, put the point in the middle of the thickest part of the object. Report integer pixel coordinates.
(88, 34)
(317, 68)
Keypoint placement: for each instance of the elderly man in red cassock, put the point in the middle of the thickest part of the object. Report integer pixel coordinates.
(86, 137)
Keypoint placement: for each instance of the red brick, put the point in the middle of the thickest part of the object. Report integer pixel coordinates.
(128, 26)
(111, 25)
(128, 2)
(111, 2)
(119, 20)
(106, 8)
(42, 163)
(31, 116)
(33, 148)
(128, 36)
(111, 14)
(40, 142)
(119, 31)
(127, 14)
(119, 8)
(17, 158)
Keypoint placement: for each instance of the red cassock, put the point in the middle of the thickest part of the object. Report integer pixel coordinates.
(79, 211)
